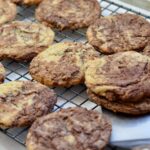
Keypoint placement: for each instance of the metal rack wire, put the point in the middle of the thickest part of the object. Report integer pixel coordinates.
(70, 97)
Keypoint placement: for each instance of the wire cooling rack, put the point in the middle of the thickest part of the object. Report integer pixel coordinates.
(70, 97)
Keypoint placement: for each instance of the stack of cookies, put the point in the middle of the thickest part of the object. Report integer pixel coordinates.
(120, 82)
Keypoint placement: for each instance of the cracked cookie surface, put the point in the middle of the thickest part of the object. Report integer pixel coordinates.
(62, 64)
(22, 41)
(64, 14)
(8, 11)
(123, 76)
(22, 102)
(121, 32)
(70, 129)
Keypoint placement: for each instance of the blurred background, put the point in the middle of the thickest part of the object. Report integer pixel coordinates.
(145, 4)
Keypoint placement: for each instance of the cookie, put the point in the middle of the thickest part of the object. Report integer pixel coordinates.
(27, 2)
(22, 102)
(123, 77)
(70, 129)
(62, 64)
(22, 41)
(64, 14)
(2, 73)
(118, 33)
(8, 11)
(131, 108)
